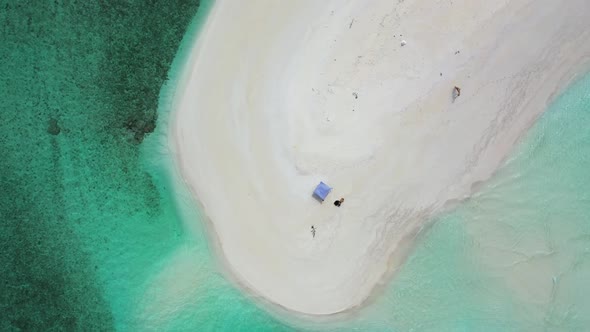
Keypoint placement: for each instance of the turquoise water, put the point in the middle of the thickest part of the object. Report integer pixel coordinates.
(98, 234)
(82, 220)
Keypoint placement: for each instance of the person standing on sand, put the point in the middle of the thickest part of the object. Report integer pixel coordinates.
(339, 202)
(312, 230)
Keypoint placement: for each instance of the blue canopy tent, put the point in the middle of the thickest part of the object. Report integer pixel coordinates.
(321, 191)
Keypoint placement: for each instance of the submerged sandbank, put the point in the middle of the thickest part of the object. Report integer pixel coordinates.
(281, 96)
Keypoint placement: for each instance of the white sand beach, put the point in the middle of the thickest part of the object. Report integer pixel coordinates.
(280, 95)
